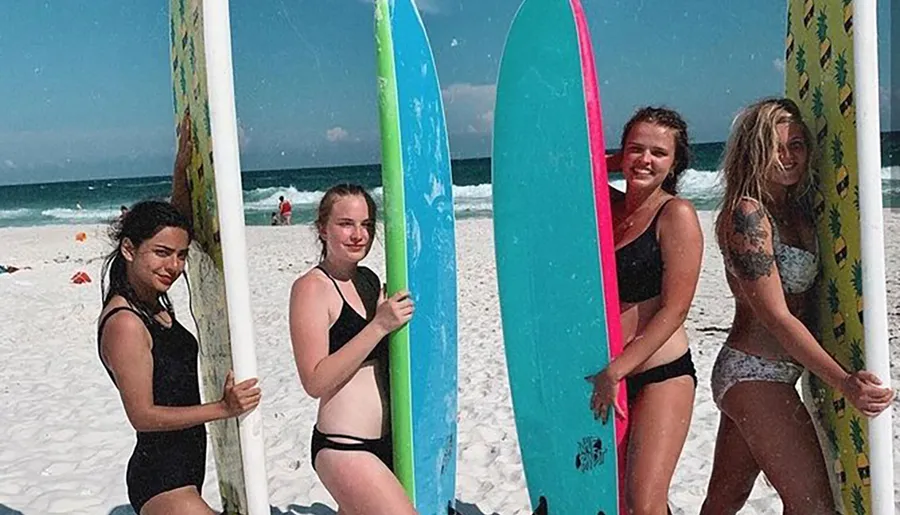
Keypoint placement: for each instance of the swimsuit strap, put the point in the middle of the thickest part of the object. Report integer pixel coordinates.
(659, 213)
(338, 288)
(113, 311)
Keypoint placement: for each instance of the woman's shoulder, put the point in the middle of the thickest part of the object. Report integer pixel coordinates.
(119, 318)
(311, 282)
(117, 307)
(677, 211)
(677, 205)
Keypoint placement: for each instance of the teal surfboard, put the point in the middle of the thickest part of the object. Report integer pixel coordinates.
(555, 258)
(420, 255)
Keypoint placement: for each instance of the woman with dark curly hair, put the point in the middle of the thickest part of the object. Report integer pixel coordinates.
(659, 248)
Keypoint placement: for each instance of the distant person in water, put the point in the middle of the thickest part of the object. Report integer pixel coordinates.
(276, 219)
(123, 211)
(284, 210)
(152, 358)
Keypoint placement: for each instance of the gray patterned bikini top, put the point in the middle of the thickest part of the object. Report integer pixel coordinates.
(797, 267)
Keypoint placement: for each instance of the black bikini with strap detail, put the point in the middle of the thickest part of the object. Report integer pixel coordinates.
(166, 460)
(348, 324)
(639, 265)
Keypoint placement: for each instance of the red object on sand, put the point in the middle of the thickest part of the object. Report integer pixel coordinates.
(81, 278)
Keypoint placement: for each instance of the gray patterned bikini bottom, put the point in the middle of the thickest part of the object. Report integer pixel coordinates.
(733, 366)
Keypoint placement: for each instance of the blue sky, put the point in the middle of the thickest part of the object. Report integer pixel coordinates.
(86, 87)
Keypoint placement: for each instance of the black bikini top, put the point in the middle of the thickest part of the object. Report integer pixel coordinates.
(639, 265)
(349, 323)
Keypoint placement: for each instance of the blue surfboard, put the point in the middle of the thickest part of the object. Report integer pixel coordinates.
(420, 255)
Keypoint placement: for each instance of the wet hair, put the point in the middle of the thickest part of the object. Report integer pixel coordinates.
(142, 222)
(331, 196)
(751, 153)
(669, 119)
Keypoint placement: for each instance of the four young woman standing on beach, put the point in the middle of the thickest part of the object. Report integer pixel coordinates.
(340, 320)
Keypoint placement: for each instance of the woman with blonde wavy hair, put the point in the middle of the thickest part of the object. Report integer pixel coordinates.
(766, 234)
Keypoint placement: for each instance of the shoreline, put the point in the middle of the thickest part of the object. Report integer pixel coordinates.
(68, 441)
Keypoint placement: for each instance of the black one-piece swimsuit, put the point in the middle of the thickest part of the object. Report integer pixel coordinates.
(166, 460)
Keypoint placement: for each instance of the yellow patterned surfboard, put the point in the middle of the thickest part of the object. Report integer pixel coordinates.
(819, 77)
(205, 271)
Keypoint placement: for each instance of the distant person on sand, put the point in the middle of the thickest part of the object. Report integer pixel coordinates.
(659, 249)
(284, 210)
(339, 324)
(767, 237)
(276, 219)
(152, 359)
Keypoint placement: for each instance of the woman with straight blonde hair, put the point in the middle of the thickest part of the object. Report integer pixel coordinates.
(767, 237)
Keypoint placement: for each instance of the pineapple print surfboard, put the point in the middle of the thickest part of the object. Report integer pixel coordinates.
(819, 72)
(217, 266)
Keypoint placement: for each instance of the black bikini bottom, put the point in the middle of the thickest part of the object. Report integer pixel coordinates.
(382, 447)
(683, 366)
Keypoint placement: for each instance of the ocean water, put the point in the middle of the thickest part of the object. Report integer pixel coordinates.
(98, 201)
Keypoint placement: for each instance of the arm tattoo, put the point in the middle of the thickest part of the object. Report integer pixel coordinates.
(751, 260)
(749, 225)
(752, 265)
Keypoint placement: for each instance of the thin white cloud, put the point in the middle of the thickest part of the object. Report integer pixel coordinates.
(778, 64)
(10, 164)
(425, 6)
(336, 134)
(469, 107)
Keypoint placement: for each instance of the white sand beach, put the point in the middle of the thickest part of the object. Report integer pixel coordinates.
(65, 441)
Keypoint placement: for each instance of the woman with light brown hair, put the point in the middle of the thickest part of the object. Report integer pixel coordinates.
(340, 321)
(767, 237)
